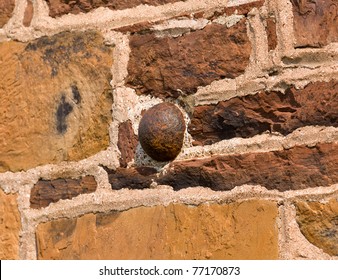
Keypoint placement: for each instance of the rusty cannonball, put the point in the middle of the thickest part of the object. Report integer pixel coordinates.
(161, 131)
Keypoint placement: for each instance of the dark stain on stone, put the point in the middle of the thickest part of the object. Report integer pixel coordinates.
(64, 228)
(103, 219)
(76, 94)
(63, 48)
(64, 109)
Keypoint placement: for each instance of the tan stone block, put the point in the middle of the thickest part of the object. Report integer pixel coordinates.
(55, 99)
(10, 226)
(245, 230)
(319, 224)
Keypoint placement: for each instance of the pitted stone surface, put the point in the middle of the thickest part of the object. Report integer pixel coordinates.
(241, 230)
(161, 131)
(319, 224)
(10, 226)
(55, 99)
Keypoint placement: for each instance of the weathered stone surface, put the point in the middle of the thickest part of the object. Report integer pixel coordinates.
(247, 116)
(131, 178)
(45, 192)
(319, 224)
(61, 7)
(55, 99)
(28, 15)
(315, 22)
(6, 8)
(161, 131)
(245, 230)
(10, 226)
(127, 142)
(167, 66)
(297, 168)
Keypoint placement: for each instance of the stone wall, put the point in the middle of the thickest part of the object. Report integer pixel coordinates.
(256, 83)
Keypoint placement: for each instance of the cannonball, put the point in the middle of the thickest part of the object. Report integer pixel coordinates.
(161, 131)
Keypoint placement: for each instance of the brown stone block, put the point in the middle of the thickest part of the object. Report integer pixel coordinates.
(250, 115)
(244, 230)
(315, 22)
(319, 224)
(168, 66)
(271, 32)
(127, 142)
(10, 226)
(45, 192)
(297, 168)
(55, 99)
(131, 178)
(6, 8)
(62, 7)
(28, 15)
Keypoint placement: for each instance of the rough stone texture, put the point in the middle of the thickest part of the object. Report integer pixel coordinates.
(319, 224)
(244, 230)
(297, 168)
(161, 131)
(55, 99)
(247, 116)
(167, 66)
(6, 8)
(315, 22)
(10, 227)
(28, 15)
(131, 178)
(45, 192)
(272, 33)
(61, 7)
(127, 142)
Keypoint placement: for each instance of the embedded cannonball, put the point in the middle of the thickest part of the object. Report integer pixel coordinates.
(161, 131)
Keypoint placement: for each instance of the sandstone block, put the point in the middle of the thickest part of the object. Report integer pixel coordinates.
(271, 32)
(168, 66)
(247, 116)
(47, 191)
(127, 142)
(55, 99)
(62, 7)
(131, 178)
(242, 230)
(10, 226)
(319, 224)
(297, 168)
(6, 8)
(28, 15)
(315, 22)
